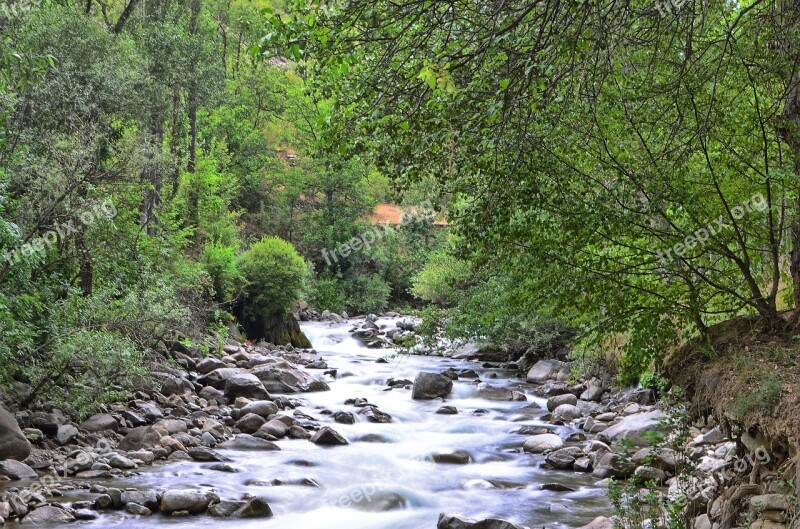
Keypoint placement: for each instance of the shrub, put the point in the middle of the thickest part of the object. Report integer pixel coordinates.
(368, 294)
(327, 294)
(220, 262)
(275, 275)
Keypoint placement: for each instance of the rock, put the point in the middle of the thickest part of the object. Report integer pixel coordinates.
(702, 522)
(373, 414)
(712, 437)
(459, 457)
(537, 444)
(48, 515)
(770, 502)
(253, 508)
(248, 442)
(558, 400)
(328, 437)
(344, 417)
(601, 522)
(13, 444)
(430, 386)
(66, 434)
(275, 428)
(607, 466)
(201, 453)
(563, 458)
(298, 432)
(639, 428)
(145, 456)
(193, 501)
(137, 509)
(545, 370)
(121, 462)
(172, 426)
(263, 408)
(100, 423)
(250, 423)
(449, 521)
(140, 438)
(447, 410)
(244, 385)
(283, 377)
(207, 365)
(16, 470)
(485, 391)
(646, 474)
(594, 390)
(566, 412)
(148, 499)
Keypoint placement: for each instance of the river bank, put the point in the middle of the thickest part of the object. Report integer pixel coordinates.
(333, 437)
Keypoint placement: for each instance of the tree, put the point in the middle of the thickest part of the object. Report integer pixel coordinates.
(276, 276)
(625, 161)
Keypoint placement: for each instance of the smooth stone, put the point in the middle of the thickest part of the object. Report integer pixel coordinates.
(328, 437)
(537, 444)
(16, 470)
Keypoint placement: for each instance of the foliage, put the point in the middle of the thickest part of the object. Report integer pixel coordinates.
(616, 163)
(275, 275)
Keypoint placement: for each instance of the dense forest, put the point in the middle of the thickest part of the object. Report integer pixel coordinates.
(596, 201)
(158, 178)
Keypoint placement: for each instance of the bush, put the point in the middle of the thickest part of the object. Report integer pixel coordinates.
(220, 262)
(327, 294)
(368, 294)
(275, 275)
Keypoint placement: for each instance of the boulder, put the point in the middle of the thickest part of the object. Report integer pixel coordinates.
(545, 370)
(558, 400)
(140, 438)
(13, 444)
(328, 437)
(207, 365)
(594, 390)
(485, 391)
(536, 444)
(148, 499)
(639, 428)
(566, 412)
(601, 522)
(248, 442)
(46, 515)
(430, 386)
(66, 434)
(264, 408)
(100, 423)
(16, 470)
(192, 501)
(459, 457)
(250, 423)
(275, 428)
(283, 377)
(244, 385)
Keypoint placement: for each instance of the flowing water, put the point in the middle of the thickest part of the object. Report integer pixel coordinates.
(388, 465)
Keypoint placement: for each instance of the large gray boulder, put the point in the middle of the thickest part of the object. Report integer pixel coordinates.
(282, 377)
(139, 438)
(545, 370)
(13, 444)
(194, 501)
(639, 428)
(430, 386)
(16, 470)
(47, 515)
(100, 423)
(536, 444)
(244, 385)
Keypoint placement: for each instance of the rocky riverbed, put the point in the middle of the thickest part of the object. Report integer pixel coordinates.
(342, 436)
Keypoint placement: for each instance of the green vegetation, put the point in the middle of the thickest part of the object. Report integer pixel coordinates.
(629, 170)
(159, 180)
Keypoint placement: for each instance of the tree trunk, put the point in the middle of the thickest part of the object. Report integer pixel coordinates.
(152, 173)
(192, 96)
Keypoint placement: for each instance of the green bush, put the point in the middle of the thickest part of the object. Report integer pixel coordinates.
(327, 294)
(275, 275)
(367, 294)
(220, 262)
